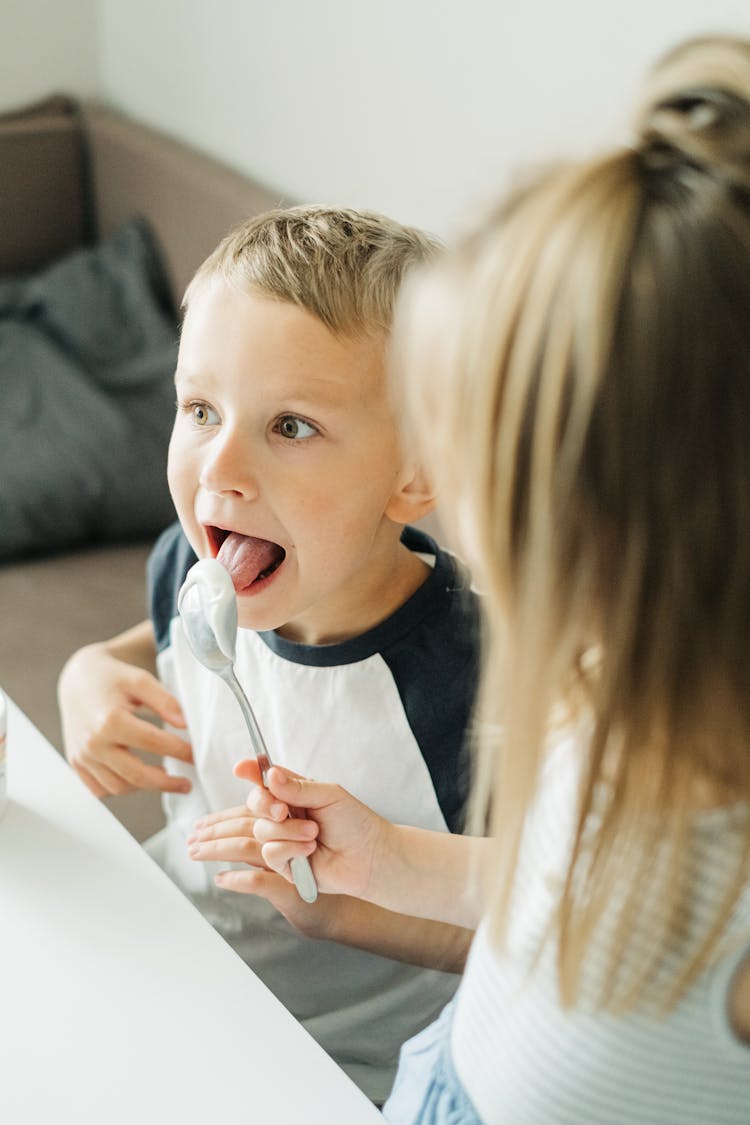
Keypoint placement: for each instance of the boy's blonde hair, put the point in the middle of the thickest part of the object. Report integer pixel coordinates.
(344, 266)
(583, 366)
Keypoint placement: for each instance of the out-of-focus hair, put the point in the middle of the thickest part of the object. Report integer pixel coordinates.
(581, 386)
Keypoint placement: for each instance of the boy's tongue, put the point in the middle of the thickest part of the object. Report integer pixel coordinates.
(245, 558)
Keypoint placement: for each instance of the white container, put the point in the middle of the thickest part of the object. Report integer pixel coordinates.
(3, 761)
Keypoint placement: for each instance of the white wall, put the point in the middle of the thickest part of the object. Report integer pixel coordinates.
(413, 107)
(47, 46)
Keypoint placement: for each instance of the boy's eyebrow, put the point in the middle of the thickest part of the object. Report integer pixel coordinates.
(186, 376)
(316, 392)
(313, 392)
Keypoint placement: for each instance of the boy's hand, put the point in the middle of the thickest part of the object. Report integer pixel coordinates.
(98, 696)
(227, 837)
(342, 837)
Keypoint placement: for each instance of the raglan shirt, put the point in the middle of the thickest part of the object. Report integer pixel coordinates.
(385, 715)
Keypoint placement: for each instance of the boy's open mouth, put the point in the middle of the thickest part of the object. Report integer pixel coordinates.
(248, 560)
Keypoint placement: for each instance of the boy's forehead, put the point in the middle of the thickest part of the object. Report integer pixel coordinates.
(275, 342)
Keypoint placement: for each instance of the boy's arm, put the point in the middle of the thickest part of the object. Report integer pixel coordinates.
(402, 937)
(228, 837)
(100, 690)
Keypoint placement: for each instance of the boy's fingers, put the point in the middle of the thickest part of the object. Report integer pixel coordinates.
(255, 882)
(236, 813)
(140, 734)
(238, 849)
(154, 777)
(249, 770)
(268, 885)
(108, 779)
(219, 827)
(121, 771)
(262, 803)
(89, 780)
(266, 831)
(150, 692)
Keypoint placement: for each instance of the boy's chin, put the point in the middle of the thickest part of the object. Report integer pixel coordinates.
(260, 621)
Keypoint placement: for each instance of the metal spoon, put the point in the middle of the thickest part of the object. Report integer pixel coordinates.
(208, 608)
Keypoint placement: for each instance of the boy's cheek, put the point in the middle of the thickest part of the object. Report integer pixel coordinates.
(182, 487)
(180, 468)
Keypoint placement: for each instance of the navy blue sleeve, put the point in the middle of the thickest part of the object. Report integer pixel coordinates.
(436, 670)
(169, 561)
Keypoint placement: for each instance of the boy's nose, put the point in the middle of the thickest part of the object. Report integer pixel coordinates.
(227, 468)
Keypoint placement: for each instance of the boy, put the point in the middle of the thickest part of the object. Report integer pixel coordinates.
(357, 643)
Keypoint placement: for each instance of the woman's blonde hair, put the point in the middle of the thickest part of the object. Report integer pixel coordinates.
(344, 266)
(582, 389)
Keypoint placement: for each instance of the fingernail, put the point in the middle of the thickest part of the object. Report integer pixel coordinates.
(200, 823)
(194, 851)
(278, 811)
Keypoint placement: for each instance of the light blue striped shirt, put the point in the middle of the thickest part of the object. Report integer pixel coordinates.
(523, 1059)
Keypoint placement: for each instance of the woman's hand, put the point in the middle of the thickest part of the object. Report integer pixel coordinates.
(354, 851)
(341, 836)
(229, 836)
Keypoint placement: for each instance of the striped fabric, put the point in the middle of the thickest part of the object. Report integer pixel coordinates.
(522, 1059)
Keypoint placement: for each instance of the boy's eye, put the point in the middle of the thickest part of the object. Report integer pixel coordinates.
(202, 415)
(294, 428)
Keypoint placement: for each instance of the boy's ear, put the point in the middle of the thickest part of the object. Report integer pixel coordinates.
(413, 497)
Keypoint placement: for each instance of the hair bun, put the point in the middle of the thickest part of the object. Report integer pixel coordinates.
(695, 110)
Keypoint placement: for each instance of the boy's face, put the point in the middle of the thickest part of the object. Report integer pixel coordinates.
(283, 459)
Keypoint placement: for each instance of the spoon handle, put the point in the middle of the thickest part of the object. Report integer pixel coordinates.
(260, 750)
(302, 872)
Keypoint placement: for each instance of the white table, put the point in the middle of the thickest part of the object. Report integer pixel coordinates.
(118, 1001)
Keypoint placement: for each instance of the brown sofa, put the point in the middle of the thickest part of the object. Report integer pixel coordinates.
(71, 174)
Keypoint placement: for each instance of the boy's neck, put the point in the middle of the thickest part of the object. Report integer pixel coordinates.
(399, 574)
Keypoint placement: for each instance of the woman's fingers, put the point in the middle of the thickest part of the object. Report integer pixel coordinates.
(266, 831)
(278, 855)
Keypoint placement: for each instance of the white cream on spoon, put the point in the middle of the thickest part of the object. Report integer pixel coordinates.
(208, 609)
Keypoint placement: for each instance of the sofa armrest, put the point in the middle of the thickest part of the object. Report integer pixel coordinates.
(189, 199)
(44, 209)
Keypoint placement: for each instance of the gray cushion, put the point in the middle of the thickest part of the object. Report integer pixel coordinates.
(87, 355)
